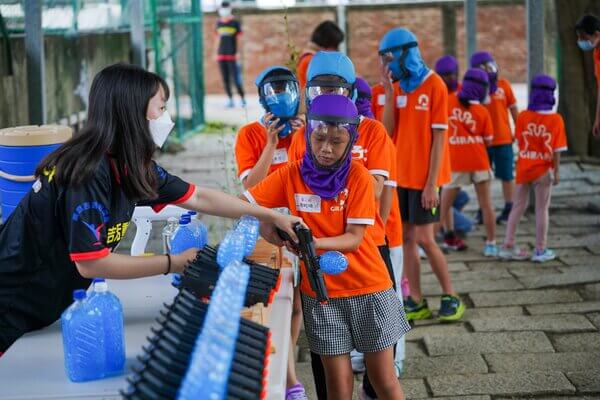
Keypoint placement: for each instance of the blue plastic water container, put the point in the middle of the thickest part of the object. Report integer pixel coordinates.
(21, 150)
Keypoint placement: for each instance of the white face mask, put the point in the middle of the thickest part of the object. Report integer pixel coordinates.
(224, 12)
(160, 128)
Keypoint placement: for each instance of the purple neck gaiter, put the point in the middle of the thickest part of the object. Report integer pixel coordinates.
(364, 107)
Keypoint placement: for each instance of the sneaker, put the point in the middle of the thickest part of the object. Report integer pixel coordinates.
(479, 217)
(416, 311)
(490, 250)
(358, 362)
(503, 217)
(453, 242)
(296, 392)
(451, 309)
(230, 104)
(512, 253)
(362, 395)
(543, 256)
(243, 103)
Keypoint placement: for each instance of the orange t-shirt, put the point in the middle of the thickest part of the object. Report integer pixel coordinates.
(498, 107)
(419, 112)
(378, 102)
(393, 225)
(371, 149)
(251, 141)
(597, 65)
(469, 130)
(302, 68)
(366, 271)
(540, 135)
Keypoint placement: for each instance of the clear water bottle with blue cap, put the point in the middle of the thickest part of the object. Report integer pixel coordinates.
(109, 306)
(333, 262)
(184, 237)
(83, 340)
(210, 364)
(199, 228)
(232, 248)
(249, 226)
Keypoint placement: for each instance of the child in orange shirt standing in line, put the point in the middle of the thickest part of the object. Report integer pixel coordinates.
(541, 137)
(261, 148)
(334, 196)
(501, 102)
(470, 132)
(421, 112)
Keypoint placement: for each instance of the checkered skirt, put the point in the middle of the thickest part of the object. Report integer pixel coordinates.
(367, 323)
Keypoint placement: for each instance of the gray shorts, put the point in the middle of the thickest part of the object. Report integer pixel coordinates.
(367, 323)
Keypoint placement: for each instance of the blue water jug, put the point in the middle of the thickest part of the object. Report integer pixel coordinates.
(199, 228)
(184, 237)
(83, 340)
(232, 248)
(112, 317)
(213, 353)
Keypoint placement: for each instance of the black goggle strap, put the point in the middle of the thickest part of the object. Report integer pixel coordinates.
(325, 83)
(279, 78)
(403, 47)
(543, 87)
(334, 119)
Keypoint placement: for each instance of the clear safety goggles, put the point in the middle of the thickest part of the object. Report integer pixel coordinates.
(272, 91)
(330, 124)
(489, 66)
(388, 55)
(317, 88)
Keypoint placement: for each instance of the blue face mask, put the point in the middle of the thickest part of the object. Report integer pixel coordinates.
(284, 106)
(585, 45)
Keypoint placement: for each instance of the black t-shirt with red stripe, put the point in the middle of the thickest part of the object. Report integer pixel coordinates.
(54, 226)
(228, 30)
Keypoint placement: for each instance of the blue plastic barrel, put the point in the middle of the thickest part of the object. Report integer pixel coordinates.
(21, 150)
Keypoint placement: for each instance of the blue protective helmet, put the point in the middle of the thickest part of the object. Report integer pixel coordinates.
(330, 63)
(279, 94)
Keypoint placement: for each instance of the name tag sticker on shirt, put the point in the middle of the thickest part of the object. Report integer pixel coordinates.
(280, 156)
(381, 99)
(401, 101)
(308, 202)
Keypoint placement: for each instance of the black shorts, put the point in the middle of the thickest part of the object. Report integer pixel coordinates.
(411, 210)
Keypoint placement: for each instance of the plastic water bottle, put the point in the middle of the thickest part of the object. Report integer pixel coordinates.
(184, 237)
(199, 228)
(232, 248)
(213, 353)
(83, 340)
(250, 227)
(111, 310)
(167, 233)
(333, 262)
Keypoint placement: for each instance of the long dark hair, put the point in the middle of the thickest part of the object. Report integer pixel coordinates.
(116, 126)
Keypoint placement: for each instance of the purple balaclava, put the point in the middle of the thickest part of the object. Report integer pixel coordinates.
(328, 182)
(480, 58)
(475, 85)
(363, 100)
(541, 94)
(447, 65)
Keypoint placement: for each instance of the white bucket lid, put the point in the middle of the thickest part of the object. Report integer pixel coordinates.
(33, 135)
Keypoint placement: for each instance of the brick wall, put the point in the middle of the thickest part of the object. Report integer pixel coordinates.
(501, 30)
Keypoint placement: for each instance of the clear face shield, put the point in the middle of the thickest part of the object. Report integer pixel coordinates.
(281, 96)
(318, 87)
(490, 67)
(395, 59)
(330, 141)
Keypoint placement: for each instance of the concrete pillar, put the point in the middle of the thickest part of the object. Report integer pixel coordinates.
(470, 28)
(34, 52)
(137, 33)
(449, 26)
(341, 21)
(535, 38)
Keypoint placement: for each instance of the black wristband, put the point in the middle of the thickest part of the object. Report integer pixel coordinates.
(169, 265)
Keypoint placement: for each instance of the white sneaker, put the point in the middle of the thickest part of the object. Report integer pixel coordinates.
(358, 362)
(543, 256)
(512, 253)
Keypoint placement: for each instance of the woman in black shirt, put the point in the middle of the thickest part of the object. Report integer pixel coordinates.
(64, 230)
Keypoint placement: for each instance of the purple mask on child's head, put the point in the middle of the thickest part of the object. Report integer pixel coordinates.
(475, 85)
(541, 94)
(363, 100)
(331, 110)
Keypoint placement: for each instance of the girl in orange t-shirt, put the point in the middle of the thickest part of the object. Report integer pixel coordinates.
(541, 137)
(470, 132)
(334, 196)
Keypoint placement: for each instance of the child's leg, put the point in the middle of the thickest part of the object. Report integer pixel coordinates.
(423, 235)
(296, 324)
(520, 204)
(484, 198)
(224, 68)
(448, 196)
(508, 190)
(318, 370)
(339, 376)
(543, 190)
(396, 255)
(412, 263)
(383, 377)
